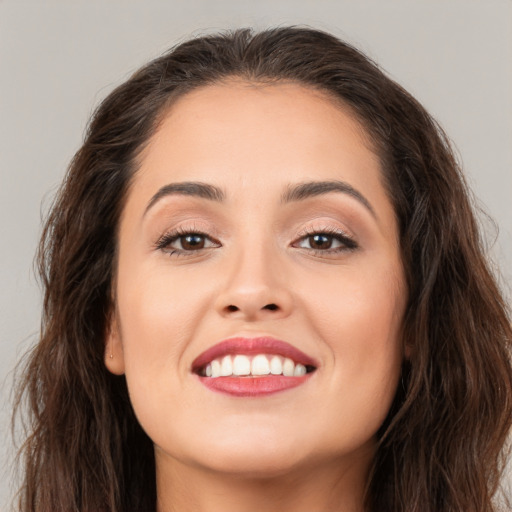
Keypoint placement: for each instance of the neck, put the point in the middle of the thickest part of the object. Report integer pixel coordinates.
(333, 487)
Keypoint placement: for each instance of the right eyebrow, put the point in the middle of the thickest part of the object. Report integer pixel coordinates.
(187, 188)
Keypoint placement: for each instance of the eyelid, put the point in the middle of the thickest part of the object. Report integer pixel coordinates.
(165, 240)
(163, 243)
(347, 240)
(325, 227)
(171, 235)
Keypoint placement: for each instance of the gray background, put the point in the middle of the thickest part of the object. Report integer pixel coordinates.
(58, 59)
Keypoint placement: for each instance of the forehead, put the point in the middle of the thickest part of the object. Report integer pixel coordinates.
(262, 108)
(238, 127)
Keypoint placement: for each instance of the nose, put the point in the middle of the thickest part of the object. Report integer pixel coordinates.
(255, 288)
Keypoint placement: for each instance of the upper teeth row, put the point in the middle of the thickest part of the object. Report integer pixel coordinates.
(260, 364)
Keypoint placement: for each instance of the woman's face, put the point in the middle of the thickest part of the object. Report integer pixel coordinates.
(258, 225)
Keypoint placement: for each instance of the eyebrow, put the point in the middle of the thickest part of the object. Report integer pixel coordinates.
(299, 192)
(187, 188)
(309, 189)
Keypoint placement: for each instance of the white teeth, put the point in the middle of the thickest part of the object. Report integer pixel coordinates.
(299, 371)
(260, 366)
(241, 365)
(215, 368)
(276, 367)
(226, 368)
(288, 367)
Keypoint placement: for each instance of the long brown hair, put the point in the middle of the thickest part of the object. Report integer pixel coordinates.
(440, 448)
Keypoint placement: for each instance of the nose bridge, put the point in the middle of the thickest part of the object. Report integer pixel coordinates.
(253, 269)
(254, 284)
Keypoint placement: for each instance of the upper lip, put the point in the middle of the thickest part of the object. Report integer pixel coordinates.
(251, 346)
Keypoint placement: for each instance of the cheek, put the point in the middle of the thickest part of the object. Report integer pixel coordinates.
(158, 314)
(363, 305)
(359, 317)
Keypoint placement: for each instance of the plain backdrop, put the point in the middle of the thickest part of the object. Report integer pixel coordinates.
(58, 59)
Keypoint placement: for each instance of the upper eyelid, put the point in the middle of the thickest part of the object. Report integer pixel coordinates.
(188, 226)
(347, 240)
(179, 231)
(331, 230)
(323, 229)
(173, 235)
(212, 231)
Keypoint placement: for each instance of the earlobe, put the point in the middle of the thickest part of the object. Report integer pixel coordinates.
(114, 354)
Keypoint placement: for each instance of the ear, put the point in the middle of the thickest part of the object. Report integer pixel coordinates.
(114, 354)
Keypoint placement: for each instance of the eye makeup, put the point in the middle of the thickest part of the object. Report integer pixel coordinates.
(189, 240)
(328, 241)
(324, 242)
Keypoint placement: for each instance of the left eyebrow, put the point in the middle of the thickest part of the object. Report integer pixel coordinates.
(303, 191)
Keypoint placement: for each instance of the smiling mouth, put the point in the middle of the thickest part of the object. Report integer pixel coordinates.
(258, 365)
(246, 367)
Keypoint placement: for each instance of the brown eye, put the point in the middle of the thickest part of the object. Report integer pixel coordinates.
(320, 241)
(181, 243)
(192, 242)
(326, 242)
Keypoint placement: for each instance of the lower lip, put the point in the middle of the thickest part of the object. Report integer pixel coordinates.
(252, 386)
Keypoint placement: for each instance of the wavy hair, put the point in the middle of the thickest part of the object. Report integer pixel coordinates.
(441, 447)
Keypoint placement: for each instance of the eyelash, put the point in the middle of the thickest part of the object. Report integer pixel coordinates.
(347, 242)
(167, 239)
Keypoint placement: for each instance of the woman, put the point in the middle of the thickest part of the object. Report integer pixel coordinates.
(265, 290)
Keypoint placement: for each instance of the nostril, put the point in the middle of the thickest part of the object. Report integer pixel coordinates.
(231, 308)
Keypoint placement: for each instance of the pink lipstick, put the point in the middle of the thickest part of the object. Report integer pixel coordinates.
(253, 366)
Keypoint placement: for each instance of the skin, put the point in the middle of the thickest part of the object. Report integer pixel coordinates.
(304, 449)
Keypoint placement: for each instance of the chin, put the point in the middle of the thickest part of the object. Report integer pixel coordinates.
(257, 464)
(259, 452)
